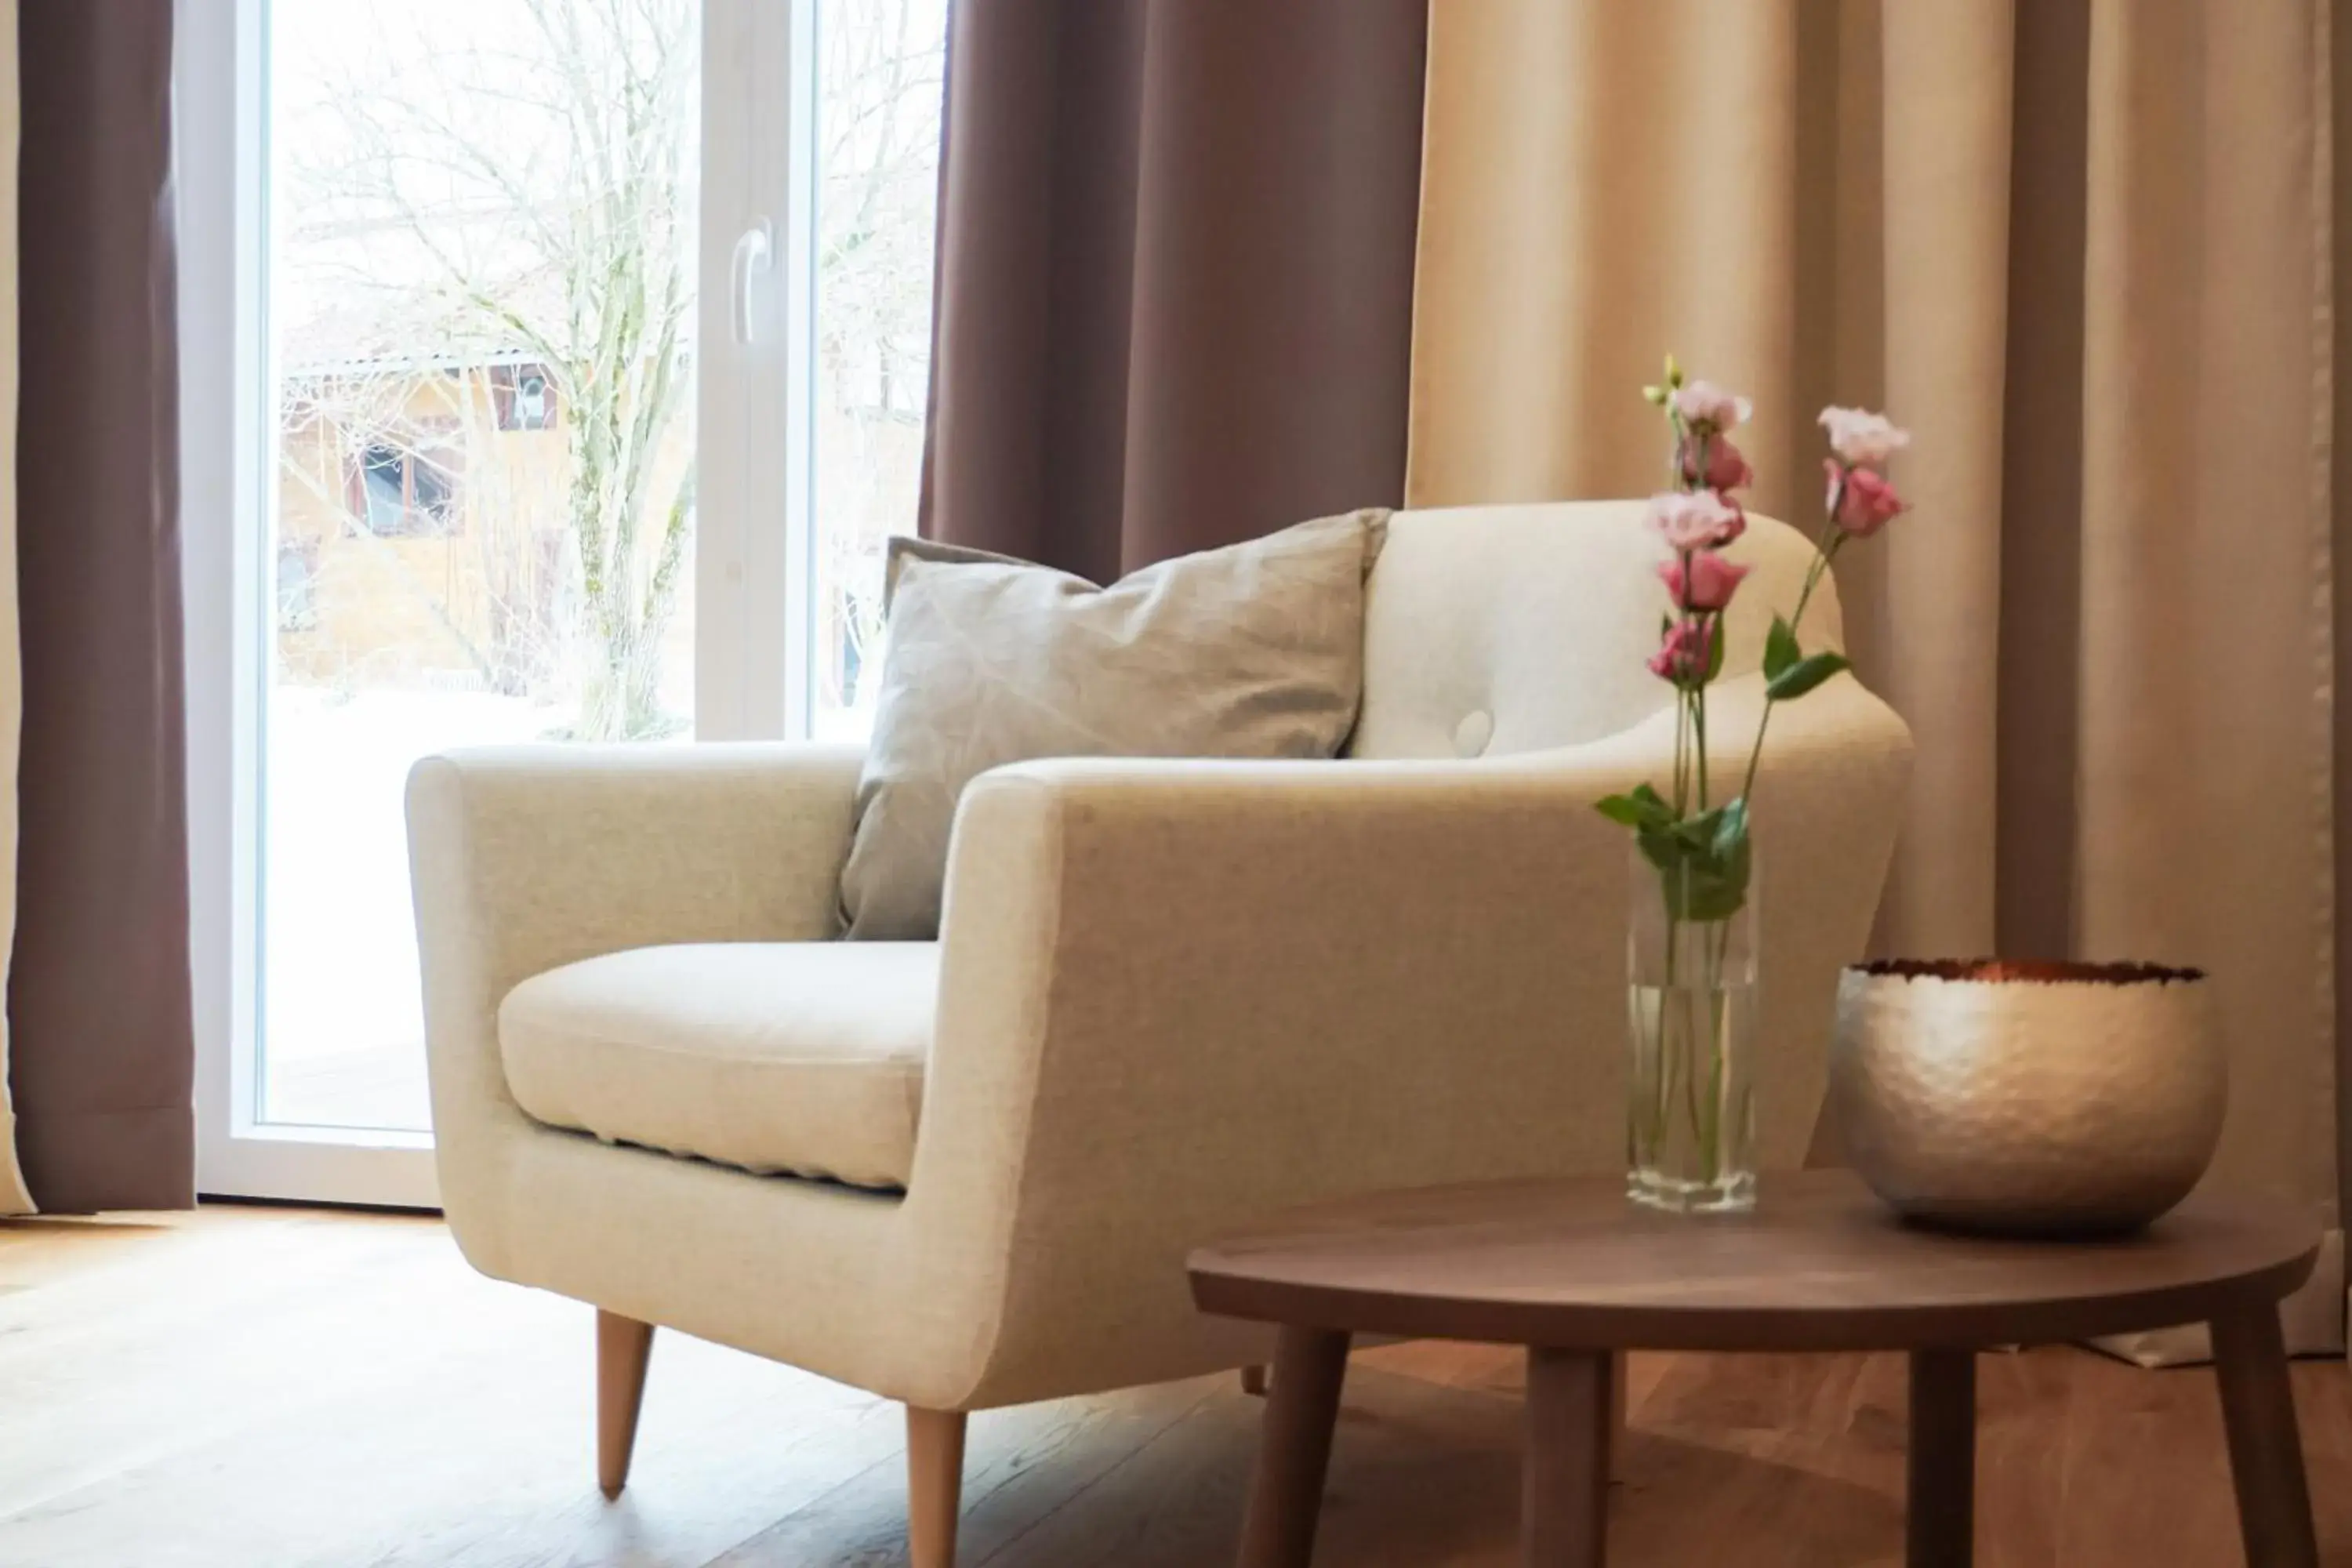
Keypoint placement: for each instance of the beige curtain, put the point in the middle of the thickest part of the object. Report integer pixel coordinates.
(14, 1198)
(2081, 248)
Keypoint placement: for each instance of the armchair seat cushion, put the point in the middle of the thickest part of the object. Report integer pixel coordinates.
(803, 1058)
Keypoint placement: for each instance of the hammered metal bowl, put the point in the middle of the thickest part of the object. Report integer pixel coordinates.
(2028, 1098)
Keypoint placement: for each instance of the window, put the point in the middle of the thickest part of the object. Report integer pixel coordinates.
(525, 397)
(398, 489)
(882, 65)
(555, 370)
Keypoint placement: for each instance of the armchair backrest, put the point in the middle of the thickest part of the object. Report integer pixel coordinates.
(1496, 630)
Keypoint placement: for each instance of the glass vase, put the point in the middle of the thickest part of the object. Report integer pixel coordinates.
(1690, 1121)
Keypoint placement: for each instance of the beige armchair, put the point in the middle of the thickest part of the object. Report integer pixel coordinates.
(1169, 996)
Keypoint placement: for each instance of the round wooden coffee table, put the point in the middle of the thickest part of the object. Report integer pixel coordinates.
(1571, 1270)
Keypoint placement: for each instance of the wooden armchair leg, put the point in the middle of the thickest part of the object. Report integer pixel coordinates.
(934, 1485)
(623, 1347)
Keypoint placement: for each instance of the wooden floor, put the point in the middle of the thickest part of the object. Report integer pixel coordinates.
(259, 1388)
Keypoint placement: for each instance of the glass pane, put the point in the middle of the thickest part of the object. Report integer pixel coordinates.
(877, 146)
(481, 300)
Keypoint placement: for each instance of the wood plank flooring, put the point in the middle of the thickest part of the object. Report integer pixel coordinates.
(276, 1388)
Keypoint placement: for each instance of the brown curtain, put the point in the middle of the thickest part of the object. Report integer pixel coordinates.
(1175, 272)
(103, 1058)
(14, 1199)
(2082, 248)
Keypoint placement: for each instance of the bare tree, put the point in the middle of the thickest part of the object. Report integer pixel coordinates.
(534, 202)
(883, 63)
(526, 195)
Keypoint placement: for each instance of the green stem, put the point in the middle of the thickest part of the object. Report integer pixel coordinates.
(1694, 1113)
(1698, 736)
(1710, 1144)
(1682, 766)
(1659, 1110)
(1825, 550)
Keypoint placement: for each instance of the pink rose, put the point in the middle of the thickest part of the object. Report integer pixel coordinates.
(1685, 653)
(1707, 408)
(1860, 502)
(1727, 469)
(1708, 584)
(1695, 521)
(1859, 435)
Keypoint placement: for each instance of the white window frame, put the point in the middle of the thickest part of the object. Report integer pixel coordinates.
(753, 544)
(753, 533)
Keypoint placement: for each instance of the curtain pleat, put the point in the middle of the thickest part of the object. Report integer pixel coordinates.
(1573, 230)
(98, 1009)
(1944, 239)
(15, 1197)
(1175, 264)
(2336, 154)
(2082, 248)
(2203, 785)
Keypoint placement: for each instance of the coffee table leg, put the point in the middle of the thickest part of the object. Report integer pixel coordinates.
(1943, 1463)
(2265, 1448)
(1295, 1448)
(1564, 1496)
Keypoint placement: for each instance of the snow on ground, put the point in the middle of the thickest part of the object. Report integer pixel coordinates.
(343, 1029)
(342, 1021)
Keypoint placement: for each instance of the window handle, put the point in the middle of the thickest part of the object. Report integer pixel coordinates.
(755, 248)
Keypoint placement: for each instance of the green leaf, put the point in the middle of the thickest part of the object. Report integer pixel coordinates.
(1717, 640)
(1697, 832)
(1642, 807)
(1653, 803)
(1780, 649)
(1731, 831)
(1619, 808)
(1716, 892)
(1663, 851)
(1803, 676)
(1704, 862)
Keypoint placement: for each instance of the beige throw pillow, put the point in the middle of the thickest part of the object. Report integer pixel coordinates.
(1255, 650)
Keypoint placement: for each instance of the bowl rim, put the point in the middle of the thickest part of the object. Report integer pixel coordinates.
(2029, 971)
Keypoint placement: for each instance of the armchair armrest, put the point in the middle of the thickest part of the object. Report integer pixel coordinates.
(525, 858)
(1177, 996)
